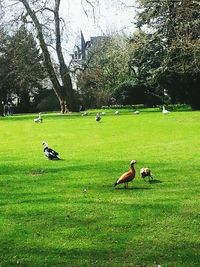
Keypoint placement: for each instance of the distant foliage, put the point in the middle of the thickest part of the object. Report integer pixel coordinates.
(168, 54)
(23, 72)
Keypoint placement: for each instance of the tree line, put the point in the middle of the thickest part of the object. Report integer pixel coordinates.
(159, 63)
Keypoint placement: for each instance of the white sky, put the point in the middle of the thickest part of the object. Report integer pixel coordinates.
(110, 16)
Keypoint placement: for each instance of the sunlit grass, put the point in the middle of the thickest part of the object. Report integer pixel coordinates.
(49, 219)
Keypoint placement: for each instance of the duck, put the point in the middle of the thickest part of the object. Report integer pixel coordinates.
(146, 172)
(39, 119)
(126, 177)
(165, 111)
(50, 153)
(98, 117)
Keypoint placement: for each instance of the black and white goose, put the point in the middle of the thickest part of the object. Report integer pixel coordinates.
(50, 153)
(98, 117)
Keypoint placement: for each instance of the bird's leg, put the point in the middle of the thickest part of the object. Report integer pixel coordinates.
(150, 178)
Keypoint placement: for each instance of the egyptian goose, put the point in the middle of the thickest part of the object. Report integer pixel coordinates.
(127, 176)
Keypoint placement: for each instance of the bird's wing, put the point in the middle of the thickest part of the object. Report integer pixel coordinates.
(52, 152)
(126, 177)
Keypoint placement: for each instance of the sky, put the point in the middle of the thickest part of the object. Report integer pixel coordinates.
(110, 16)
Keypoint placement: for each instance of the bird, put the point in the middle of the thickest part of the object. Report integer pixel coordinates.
(127, 176)
(117, 112)
(146, 172)
(164, 111)
(103, 113)
(136, 112)
(50, 153)
(84, 113)
(39, 119)
(98, 117)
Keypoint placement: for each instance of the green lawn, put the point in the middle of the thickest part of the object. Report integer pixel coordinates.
(47, 218)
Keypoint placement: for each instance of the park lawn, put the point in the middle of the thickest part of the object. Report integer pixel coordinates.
(49, 219)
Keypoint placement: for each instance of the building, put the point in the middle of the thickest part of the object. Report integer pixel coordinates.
(80, 52)
(81, 49)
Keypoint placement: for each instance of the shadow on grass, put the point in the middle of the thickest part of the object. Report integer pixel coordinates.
(108, 254)
(155, 181)
(132, 188)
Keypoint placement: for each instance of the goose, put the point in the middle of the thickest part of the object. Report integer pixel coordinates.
(39, 119)
(98, 117)
(103, 113)
(164, 111)
(50, 153)
(127, 176)
(117, 112)
(136, 112)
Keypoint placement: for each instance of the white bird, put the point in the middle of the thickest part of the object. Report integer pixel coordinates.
(39, 119)
(50, 153)
(98, 117)
(136, 112)
(117, 112)
(103, 113)
(84, 113)
(146, 172)
(164, 111)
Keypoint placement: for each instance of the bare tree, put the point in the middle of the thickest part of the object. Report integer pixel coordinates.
(43, 15)
(63, 88)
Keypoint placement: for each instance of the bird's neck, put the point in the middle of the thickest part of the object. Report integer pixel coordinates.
(132, 169)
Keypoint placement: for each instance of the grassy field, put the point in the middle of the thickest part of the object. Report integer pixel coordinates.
(47, 218)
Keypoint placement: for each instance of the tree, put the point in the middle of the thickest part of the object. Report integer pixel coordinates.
(63, 90)
(25, 72)
(106, 68)
(43, 14)
(175, 27)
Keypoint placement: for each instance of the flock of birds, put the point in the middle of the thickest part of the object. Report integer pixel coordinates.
(117, 112)
(126, 177)
(98, 115)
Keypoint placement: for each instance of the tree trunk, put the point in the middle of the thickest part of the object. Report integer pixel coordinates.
(67, 91)
(63, 92)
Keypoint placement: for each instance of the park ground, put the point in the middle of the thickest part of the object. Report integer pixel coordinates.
(67, 213)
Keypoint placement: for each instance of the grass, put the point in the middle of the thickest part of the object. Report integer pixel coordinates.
(47, 219)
